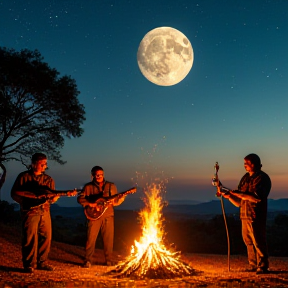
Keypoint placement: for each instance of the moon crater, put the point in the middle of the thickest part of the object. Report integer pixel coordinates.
(165, 56)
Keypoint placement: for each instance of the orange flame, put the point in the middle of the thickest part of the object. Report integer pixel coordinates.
(149, 256)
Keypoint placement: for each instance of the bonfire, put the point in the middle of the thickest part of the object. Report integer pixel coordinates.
(149, 258)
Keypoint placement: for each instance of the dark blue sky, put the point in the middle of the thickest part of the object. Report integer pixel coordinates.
(233, 102)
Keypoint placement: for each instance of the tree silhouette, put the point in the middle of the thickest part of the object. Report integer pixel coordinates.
(38, 108)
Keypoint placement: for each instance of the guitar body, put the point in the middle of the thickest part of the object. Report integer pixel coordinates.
(102, 203)
(94, 213)
(35, 200)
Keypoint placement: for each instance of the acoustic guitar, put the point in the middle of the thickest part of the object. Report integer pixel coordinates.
(102, 203)
(32, 200)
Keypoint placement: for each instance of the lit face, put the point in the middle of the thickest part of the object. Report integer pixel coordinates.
(40, 166)
(249, 167)
(99, 176)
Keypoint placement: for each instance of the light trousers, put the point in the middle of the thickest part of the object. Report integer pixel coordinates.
(254, 237)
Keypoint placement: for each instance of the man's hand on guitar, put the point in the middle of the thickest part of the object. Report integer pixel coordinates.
(48, 196)
(54, 199)
(111, 202)
(92, 204)
(72, 193)
(96, 208)
(118, 200)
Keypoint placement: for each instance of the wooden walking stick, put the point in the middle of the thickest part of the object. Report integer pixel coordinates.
(217, 183)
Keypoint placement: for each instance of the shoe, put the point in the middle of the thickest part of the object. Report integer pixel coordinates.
(251, 269)
(87, 264)
(262, 270)
(29, 270)
(46, 267)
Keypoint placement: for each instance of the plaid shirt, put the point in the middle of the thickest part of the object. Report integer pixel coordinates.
(259, 184)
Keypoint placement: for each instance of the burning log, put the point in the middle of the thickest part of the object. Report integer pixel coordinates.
(150, 258)
(155, 263)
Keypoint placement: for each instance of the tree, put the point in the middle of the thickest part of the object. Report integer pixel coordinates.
(38, 108)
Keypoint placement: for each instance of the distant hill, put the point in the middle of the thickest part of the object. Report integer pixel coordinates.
(190, 208)
(131, 203)
(214, 207)
(278, 205)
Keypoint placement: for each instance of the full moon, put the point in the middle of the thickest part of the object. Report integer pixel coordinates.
(165, 56)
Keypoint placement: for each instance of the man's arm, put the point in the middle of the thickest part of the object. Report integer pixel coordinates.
(236, 196)
(81, 199)
(117, 200)
(17, 187)
(252, 197)
(234, 199)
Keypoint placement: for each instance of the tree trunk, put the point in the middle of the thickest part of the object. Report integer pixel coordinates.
(3, 177)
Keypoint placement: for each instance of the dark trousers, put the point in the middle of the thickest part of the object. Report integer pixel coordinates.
(254, 237)
(106, 225)
(36, 237)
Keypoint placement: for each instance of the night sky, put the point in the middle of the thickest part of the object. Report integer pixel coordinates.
(233, 102)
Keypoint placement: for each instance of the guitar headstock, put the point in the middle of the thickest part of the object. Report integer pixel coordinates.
(132, 190)
(72, 193)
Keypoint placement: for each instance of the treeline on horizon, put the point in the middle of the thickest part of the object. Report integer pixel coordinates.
(188, 235)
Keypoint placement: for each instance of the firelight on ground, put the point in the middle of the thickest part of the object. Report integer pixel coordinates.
(149, 257)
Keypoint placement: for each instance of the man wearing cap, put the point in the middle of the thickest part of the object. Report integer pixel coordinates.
(251, 197)
(35, 214)
(102, 188)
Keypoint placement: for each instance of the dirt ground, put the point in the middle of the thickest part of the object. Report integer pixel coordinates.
(210, 270)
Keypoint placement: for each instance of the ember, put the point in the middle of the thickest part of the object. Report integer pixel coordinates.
(149, 257)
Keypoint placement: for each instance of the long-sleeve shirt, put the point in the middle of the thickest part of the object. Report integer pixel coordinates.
(92, 191)
(28, 181)
(259, 184)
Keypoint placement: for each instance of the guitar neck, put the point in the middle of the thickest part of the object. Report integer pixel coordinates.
(119, 194)
(53, 193)
(48, 193)
(64, 192)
